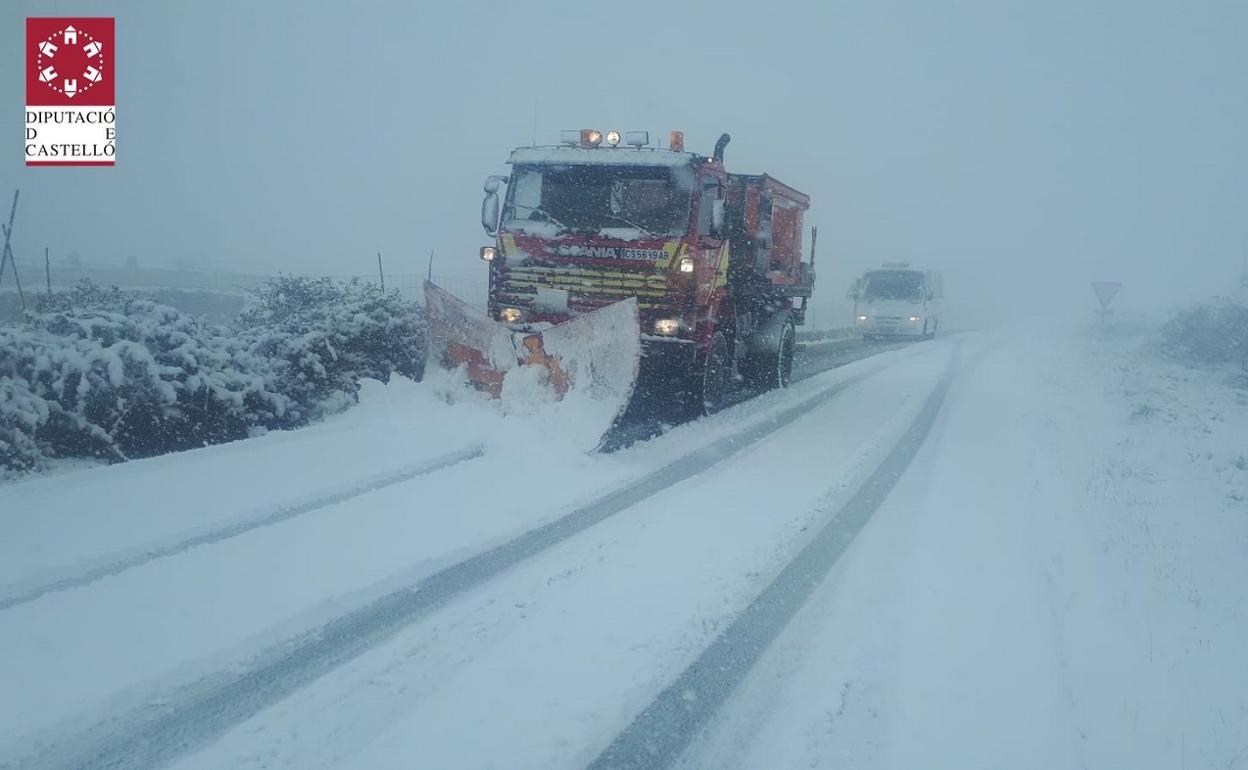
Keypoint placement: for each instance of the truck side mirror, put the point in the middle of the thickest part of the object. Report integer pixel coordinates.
(717, 217)
(489, 206)
(489, 213)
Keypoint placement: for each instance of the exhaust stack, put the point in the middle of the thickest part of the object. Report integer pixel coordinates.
(718, 155)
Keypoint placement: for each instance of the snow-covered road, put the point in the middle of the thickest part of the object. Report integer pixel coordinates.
(1057, 582)
(525, 604)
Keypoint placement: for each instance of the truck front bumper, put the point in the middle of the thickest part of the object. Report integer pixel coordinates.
(667, 355)
(890, 327)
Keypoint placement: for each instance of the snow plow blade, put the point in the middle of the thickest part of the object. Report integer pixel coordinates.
(586, 367)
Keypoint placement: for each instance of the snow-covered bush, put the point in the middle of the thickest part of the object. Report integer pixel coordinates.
(1214, 332)
(103, 373)
(21, 413)
(322, 337)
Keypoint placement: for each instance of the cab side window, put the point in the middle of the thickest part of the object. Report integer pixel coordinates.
(710, 194)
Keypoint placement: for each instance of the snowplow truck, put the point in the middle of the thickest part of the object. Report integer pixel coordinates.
(676, 279)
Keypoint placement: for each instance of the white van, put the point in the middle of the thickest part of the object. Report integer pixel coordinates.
(898, 301)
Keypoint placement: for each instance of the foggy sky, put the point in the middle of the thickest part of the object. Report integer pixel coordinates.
(1025, 148)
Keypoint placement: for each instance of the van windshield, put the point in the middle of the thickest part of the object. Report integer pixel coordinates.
(893, 284)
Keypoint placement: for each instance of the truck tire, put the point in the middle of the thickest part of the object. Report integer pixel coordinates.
(716, 376)
(770, 363)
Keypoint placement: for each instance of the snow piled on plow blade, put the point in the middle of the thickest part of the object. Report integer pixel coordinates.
(574, 379)
(462, 336)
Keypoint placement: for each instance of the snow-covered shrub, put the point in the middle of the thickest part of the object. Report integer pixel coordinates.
(117, 376)
(103, 373)
(322, 337)
(21, 414)
(1214, 332)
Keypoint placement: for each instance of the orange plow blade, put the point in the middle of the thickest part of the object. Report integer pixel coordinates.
(587, 364)
(461, 336)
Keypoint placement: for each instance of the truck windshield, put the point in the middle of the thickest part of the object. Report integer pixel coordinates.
(893, 284)
(620, 201)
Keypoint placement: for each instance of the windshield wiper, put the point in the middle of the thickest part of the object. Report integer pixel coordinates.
(633, 225)
(543, 212)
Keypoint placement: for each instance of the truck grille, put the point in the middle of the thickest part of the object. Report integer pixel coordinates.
(586, 288)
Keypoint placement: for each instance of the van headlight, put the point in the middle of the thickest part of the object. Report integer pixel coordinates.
(511, 315)
(667, 326)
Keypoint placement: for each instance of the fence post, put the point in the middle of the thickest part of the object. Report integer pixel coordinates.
(8, 252)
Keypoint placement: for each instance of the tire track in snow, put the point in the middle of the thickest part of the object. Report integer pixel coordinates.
(661, 732)
(200, 713)
(117, 564)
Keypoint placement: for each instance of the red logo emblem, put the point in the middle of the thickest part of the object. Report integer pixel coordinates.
(69, 62)
(70, 92)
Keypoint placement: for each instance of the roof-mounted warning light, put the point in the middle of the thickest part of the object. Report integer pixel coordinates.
(590, 137)
(676, 141)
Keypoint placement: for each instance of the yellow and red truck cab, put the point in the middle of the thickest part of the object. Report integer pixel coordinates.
(713, 258)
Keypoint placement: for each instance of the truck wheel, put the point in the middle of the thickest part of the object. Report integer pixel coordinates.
(772, 367)
(716, 375)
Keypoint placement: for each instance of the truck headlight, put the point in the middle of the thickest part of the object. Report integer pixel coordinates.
(510, 315)
(862, 318)
(488, 253)
(667, 326)
(914, 319)
(686, 264)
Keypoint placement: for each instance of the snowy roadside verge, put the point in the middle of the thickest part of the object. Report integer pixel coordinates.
(57, 527)
(83, 573)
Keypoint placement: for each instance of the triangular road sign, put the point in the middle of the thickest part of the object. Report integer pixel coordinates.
(1105, 291)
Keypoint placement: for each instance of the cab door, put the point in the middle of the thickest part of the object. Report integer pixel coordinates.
(711, 243)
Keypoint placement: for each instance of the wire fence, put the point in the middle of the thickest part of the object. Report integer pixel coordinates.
(37, 277)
